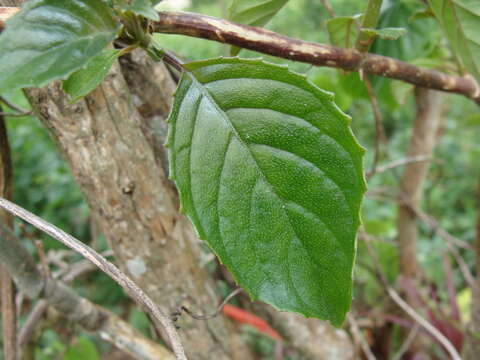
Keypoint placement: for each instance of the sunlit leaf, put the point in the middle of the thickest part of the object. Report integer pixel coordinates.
(50, 39)
(271, 176)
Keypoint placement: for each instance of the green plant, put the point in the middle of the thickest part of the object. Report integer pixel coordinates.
(267, 167)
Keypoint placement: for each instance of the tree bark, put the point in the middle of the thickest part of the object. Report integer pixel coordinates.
(422, 143)
(136, 207)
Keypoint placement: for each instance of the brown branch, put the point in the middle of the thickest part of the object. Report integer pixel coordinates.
(271, 43)
(379, 131)
(268, 42)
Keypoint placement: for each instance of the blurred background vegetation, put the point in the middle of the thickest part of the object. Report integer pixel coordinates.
(43, 183)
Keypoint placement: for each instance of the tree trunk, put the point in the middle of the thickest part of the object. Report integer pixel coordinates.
(422, 143)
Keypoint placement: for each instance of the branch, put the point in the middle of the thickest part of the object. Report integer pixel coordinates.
(160, 319)
(268, 42)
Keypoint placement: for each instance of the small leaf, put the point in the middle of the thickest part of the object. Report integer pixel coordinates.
(460, 19)
(343, 30)
(385, 33)
(145, 8)
(254, 13)
(83, 349)
(83, 81)
(50, 39)
(271, 176)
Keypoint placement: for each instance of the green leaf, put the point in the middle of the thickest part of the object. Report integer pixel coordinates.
(254, 13)
(145, 8)
(271, 176)
(385, 33)
(414, 44)
(83, 349)
(460, 20)
(50, 39)
(83, 81)
(343, 30)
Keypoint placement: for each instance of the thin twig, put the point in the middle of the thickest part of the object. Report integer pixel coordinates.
(67, 276)
(31, 323)
(437, 335)
(328, 6)
(401, 162)
(43, 258)
(357, 334)
(379, 132)
(13, 115)
(219, 308)
(19, 110)
(123, 280)
(407, 343)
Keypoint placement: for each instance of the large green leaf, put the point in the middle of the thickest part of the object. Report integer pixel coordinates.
(50, 39)
(271, 176)
(254, 13)
(461, 21)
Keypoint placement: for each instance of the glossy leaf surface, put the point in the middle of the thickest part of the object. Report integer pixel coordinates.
(83, 81)
(271, 176)
(50, 39)
(461, 21)
(254, 13)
